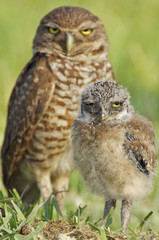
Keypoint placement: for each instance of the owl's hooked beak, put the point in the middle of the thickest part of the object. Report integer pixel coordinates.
(69, 42)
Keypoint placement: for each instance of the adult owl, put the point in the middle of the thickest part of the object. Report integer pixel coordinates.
(114, 148)
(70, 50)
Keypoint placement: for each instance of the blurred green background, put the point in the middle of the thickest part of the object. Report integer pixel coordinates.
(133, 32)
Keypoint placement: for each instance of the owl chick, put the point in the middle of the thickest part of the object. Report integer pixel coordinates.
(70, 50)
(113, 147)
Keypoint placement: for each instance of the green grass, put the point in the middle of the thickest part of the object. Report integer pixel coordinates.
(20, 221)
(132, 29)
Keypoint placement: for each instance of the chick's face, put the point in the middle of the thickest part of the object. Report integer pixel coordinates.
(104, 101)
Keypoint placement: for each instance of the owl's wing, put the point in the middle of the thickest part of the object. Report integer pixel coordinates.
(29, 100)
(140, 144)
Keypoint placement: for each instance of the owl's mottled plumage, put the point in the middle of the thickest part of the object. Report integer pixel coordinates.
(114, 148)
(70, 50)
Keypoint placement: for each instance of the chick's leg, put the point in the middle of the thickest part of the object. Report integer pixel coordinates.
(125, 213)
(108, 204)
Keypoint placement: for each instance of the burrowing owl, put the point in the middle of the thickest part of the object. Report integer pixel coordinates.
(70, 50)
(113, 147)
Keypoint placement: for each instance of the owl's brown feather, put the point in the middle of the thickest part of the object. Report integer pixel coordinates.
(37, 147)
(138, 139)
(29, 100)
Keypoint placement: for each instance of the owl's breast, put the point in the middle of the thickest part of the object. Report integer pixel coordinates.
(52, 135)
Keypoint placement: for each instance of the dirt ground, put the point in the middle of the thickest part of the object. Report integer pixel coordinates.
(62, 230)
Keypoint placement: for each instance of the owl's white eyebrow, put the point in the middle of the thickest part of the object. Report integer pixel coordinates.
(87, 24)
(54, 25)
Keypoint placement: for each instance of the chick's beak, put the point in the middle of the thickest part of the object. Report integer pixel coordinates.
(104, 114)
(69, 42)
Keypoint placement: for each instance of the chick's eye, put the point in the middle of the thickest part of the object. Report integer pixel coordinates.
(90, 104)
(86, 31)
(53, 30)
(116, 104)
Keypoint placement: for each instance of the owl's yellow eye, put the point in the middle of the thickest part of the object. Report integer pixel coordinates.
(116, 104)
(86, 31)
(53, 30)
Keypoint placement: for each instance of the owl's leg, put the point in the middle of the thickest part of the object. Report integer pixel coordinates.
(60, 187)
(108, 204)
(44, 184)
(125, 213)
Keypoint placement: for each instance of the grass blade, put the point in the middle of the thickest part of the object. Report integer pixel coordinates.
(19, 212)
(32, 215)
(48, 210)
(59, 213)
(144, 220)
(102, 233)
